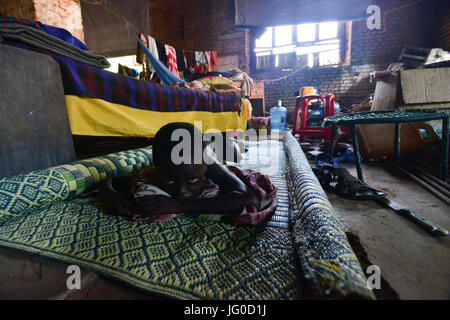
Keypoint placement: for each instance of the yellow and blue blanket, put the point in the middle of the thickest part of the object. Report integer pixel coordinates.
(102, 103)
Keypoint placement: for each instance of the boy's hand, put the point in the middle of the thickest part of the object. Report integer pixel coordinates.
(119, 206)
(117, 203)
(156, 205)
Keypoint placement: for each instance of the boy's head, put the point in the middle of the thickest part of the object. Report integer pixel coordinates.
(174, 147)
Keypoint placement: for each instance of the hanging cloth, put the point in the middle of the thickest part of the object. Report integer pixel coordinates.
(181, 62)
(152, 47)
(140, 57)
(208, 60)
(172, 60)
(161, 52)
(215, 59)
(150, 43)
(200, 57)
(167, 77)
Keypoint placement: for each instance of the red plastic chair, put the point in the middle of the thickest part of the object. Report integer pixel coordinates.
(303, 130)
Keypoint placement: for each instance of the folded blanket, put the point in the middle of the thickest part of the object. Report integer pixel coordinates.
(80, 79)
(25, 22)
(42, 40)
(97, 117)
(60, 33)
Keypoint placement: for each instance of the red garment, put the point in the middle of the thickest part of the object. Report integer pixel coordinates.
(215, 59)
(208, 60)
(264, 189)
(172, 60)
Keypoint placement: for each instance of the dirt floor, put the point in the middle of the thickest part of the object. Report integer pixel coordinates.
(413, 264)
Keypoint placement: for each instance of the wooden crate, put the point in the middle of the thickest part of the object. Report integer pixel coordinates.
(426, 88)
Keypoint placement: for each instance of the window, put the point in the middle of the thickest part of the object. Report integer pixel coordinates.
(129, 61)
(311, 44)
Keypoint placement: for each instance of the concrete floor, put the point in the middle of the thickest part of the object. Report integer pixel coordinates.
(414, 264)
(30, 277)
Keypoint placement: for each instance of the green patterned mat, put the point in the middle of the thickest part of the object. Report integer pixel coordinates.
(55, 213)
(180, 258)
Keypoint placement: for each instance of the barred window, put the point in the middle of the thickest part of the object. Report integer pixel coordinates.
(294, 46)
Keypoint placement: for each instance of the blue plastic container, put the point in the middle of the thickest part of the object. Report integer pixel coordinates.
(278, 117)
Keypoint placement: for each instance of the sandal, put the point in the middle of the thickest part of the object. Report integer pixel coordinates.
(347, 186)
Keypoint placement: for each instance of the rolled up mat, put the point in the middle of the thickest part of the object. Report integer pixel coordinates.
(42, 188)
(326, 257)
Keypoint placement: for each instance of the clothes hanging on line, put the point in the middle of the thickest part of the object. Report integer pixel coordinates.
(172, 60)
(181, 63)
(166, 76)
(152, 47)
(200, 57)
(161, 52)
(208, 60)
(214, 57)
(150, 43)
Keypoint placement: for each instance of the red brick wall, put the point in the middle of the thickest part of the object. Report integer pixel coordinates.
(18, 8)
(209, 25)
(199, 25)
(370, 50)
(59, 13)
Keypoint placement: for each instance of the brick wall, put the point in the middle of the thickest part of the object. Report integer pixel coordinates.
(199, 25)
(444, 26)
(370, 50)
(209, 25)
(59, 13)
(18, 8)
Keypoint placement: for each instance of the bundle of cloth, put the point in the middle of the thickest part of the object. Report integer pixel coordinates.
(244, 78)
(56, 40)
(217, 84)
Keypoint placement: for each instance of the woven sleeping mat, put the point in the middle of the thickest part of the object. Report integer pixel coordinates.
(56, 213)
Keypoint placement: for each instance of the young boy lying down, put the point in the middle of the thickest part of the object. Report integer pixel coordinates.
(204, 186)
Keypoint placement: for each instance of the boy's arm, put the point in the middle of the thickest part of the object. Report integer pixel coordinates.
(228, 182)
(113, 191)
(225, 204)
